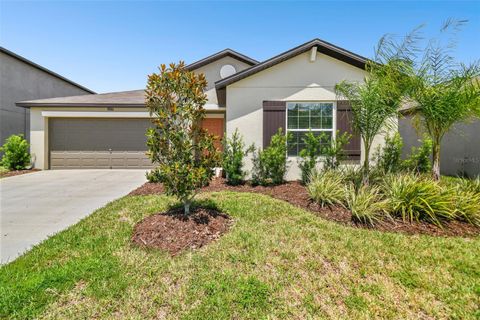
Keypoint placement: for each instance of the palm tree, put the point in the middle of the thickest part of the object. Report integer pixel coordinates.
(442, 91)
(372, 113)
(375, 101)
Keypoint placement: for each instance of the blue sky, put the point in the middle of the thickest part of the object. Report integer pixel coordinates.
(112, 46)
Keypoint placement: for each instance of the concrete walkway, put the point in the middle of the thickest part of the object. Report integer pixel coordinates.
(36, 205)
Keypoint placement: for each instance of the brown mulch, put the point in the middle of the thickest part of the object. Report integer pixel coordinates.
(174, 232)
(296, 194)
(17, 172)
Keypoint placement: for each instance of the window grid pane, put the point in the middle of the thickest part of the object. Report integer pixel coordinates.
(317, 117)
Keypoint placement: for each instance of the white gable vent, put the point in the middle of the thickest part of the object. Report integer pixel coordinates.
(227, 70)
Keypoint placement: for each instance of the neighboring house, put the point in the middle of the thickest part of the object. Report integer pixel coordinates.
(21, 79)
(459, 150)
(294, 90)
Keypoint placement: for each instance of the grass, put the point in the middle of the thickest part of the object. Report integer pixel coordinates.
(278, 261)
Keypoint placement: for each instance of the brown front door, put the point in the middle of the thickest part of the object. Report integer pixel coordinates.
(215, 126)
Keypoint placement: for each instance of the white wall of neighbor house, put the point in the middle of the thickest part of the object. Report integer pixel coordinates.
(39, 124)
(297, 79)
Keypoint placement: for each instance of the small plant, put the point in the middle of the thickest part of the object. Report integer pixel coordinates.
(153, 176)
(232, 158)
(415, 198)
(388, 159)
(366, 204)
(334, 151)
(327, 188)
(309, 155)
(270, 164)
(419, 159)
(16, 155)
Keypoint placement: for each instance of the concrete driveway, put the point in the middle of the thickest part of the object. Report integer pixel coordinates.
(37, 205)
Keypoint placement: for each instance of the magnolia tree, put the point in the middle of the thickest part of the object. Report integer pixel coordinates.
(183, 152)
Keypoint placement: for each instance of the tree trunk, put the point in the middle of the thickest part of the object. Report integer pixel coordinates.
(436, 160)
(186, 207)
(366, 164)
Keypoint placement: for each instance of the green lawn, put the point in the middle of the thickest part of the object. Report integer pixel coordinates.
(276, 262)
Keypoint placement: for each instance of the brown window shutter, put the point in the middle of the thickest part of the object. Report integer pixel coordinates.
(345, 124)
(274, 113)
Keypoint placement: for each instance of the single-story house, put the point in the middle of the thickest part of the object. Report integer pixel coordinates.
(293, 90)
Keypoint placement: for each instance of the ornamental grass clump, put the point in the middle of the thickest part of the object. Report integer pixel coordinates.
(472, 185)
(415, 198)
(327, 188)
(366, 204)
(467, 206)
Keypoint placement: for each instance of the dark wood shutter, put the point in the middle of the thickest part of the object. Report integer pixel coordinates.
(274, 113)
(345, 124)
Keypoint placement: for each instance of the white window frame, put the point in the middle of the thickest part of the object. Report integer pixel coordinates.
(334, 120)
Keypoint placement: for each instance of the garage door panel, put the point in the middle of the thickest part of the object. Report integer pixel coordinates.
(98, 143)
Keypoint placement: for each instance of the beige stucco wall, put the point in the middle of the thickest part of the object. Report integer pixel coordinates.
(297, 79)
(212, 74)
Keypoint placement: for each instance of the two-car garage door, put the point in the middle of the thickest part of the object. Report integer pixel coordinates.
(81, 143)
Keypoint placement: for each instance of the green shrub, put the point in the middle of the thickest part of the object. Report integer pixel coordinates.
(270, 164)
(388, 158)
(412, 197)
(419, 160)
(366, 204)
(232, 158)
(15, 153)
(334, 151)
(309, 155)
(259, 171)
(327, 188)
(153, 176)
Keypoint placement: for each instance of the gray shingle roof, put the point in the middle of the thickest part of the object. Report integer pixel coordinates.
(134, 98)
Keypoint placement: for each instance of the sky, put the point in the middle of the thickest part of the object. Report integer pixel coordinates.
(111, 46)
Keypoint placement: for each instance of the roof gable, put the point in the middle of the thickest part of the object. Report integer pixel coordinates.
(219, 55)
(322, 47)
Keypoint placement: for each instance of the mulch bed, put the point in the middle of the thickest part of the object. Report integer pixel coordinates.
(17, 172)
(296, 194)
(174, 232)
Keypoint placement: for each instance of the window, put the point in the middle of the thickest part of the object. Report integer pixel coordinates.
(305, 116)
